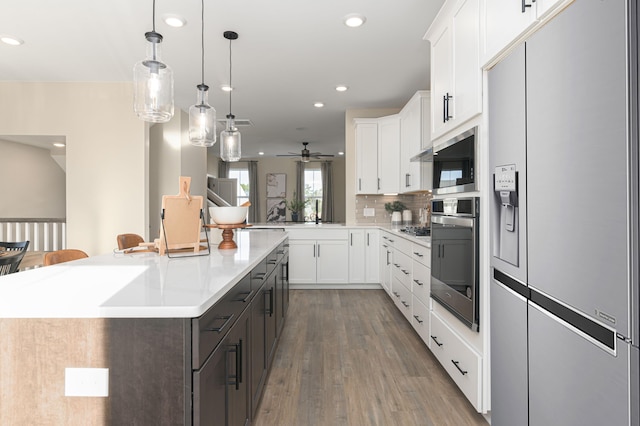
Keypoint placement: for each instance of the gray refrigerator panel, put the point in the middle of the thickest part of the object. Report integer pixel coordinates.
(509, 384)
(577, 146)
(572, 381)
(507, 146)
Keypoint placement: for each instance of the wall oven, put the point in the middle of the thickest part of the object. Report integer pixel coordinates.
(454, 257)
(454, 163)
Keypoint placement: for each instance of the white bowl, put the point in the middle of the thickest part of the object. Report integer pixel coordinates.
(228, 215)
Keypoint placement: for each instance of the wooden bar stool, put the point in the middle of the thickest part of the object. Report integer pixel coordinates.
(126, 241)
(65, 255)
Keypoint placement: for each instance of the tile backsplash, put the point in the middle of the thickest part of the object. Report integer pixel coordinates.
(414, 202)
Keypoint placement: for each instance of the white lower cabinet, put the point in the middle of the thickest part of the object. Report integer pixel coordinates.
(460, 360)
(318, 261)
(363, 256)
(421, 319)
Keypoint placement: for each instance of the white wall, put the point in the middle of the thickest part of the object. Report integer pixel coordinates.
(350, 155)
(106, 158)
(33, 184)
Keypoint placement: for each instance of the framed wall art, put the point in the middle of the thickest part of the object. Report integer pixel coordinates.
(276, 209)
(276, 185)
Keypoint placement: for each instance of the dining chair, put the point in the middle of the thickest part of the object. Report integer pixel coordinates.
(126, 241)
(64, 255)
(13, 254)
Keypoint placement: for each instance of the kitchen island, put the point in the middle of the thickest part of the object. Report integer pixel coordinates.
(142, 338)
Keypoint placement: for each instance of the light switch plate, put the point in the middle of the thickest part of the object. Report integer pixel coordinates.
(369, 212)
(86, 382)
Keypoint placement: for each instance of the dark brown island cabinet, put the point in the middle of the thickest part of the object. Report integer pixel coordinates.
(209, 370)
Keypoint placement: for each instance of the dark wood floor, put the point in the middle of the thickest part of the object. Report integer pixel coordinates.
(349, 357)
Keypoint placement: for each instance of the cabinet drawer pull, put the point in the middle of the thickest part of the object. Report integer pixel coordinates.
(246, 298)
(260, 275)
(404, 272)
(435, 339)
(406, 305)
(390, 240)
(396, 265)
(418, 254)
(458, 367)
(418, 319)
(272, 262)
(396, 294)
(418, 282)
(227, 319)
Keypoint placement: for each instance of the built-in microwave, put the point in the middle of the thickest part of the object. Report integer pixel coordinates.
(454, 164)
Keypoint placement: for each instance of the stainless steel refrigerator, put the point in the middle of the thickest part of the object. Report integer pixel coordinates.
(564, 298)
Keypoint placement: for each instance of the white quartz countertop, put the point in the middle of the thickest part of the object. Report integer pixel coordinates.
(140, 285)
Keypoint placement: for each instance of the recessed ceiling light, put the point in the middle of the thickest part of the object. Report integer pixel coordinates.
(354, 20)
(342, 88)
(173, 20)
(318, 104)
(260, 153)
(340, 153)
(59, 145)
(226, 88)
(11, 41)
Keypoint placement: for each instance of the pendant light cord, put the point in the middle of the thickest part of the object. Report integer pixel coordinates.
(202, 42)
(153, 16)
(230, 85)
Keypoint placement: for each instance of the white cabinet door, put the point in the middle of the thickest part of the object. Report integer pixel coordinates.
(332, 261)
(302, 261)
(366, 156)
(441, 80)
(389, 154)
(467, 75)
(372, 259)
(504, 21)
(410, 143)
(357, 256)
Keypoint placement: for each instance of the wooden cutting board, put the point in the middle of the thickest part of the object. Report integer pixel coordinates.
(181, 226)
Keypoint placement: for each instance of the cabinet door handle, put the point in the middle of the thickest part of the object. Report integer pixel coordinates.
(435, 339)
(406, 180)
(388, 261)
(525, 5)
(458, 367)
(318, 250)
(367, 239)
(378, 184)
(359, 184)
(418, 319)
(444, 109)
(314, 250)
(227, 319)
(447, 98)
(239, 363)
(351, 241)
(235, 377)
(418, 282)
(270, 291)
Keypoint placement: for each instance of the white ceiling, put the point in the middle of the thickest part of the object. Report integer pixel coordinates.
(289, 54)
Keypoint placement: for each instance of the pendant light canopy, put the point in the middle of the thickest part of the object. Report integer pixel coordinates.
(153, 82)
(230, 138)
(202, 116)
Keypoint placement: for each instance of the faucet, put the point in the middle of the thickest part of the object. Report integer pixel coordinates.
(317, 217)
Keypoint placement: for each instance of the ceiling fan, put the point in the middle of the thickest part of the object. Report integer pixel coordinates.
(305, 155)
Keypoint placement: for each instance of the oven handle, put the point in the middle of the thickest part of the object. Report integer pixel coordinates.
(455, 221)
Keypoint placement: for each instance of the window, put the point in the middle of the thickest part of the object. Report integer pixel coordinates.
(241, 172)
(312, 192)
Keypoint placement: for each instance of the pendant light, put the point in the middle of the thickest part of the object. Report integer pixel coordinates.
(230, 137)
(153, 82)
(202, 116)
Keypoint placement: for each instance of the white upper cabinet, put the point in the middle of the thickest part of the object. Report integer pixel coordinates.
(415, 135)
(389, 154)
(507, 22)
(366, 156)
(456, 76)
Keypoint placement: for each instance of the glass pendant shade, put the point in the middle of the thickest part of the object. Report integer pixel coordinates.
(202, 120)
(153, 84)
(230, 142)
